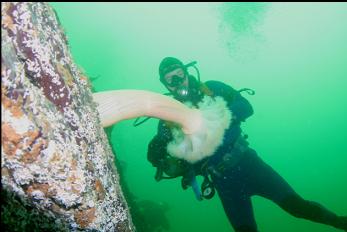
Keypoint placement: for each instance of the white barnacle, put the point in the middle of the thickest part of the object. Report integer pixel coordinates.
(22, 176)
(91, 203)
(26, 94)
(56, 80)
(20, 125)
(15, 13)
(38, 195)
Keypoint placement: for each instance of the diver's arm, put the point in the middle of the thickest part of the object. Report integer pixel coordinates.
(157, 146)
(156, 150)
(240, 106)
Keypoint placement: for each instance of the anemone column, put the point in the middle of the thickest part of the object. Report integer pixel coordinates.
(200, 129)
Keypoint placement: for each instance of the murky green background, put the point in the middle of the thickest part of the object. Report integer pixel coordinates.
(294, 55)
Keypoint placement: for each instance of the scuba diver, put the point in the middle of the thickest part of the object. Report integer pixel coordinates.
(234, 170)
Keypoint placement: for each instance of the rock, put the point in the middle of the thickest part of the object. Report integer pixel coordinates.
(57, 166)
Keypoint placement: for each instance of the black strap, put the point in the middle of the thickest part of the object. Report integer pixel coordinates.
(248, 90)
(136, 123)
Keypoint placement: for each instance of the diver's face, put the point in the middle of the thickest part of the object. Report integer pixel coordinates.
(175, 79)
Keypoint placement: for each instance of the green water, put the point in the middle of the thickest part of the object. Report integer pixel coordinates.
(294, 55)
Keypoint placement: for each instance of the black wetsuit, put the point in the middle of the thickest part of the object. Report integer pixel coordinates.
(245, 174)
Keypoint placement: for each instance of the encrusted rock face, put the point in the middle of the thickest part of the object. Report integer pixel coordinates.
(55, 157)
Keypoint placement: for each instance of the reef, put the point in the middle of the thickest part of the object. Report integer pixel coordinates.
(57, 167)
(147, 215)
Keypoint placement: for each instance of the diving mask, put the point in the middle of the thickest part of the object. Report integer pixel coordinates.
(175, 81)
(180, 90)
